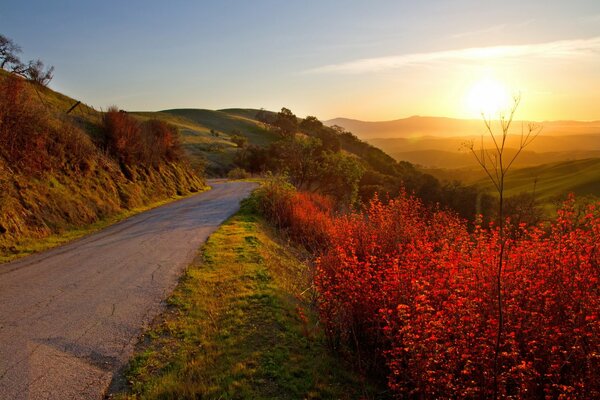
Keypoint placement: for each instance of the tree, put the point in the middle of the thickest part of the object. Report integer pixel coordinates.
(37, 73)
(239, 139)
(286, 122)
(495, 164)
(9, 51)
(311, 124)
(34, 70)
(264, 116)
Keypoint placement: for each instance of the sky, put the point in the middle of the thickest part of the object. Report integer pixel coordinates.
(369, 60)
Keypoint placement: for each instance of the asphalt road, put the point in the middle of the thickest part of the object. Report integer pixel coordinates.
(70, 317)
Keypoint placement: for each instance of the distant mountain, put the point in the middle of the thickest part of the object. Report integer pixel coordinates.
(417, 126)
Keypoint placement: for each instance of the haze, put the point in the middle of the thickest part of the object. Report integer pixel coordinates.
(362, 60)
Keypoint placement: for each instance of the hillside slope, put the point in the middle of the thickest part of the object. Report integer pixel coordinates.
(550, 181)
(206, 134)
(57, 175)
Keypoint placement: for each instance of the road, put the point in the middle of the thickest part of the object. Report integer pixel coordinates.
(70, 317)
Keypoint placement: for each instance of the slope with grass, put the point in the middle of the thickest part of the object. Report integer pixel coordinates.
(240, 326)
(206, 134)
(552, 181)
(57, 177)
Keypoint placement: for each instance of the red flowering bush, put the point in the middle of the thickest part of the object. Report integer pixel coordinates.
(414, 294)
(306, 216)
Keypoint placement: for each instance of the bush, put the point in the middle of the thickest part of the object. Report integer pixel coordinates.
(132, 142)
(416, 288)
(238, 173)
(412, 293)
(161, 142)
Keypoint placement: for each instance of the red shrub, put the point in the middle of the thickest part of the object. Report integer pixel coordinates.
(413, 286)
(161, 141)
(410, 288)
(123, 135)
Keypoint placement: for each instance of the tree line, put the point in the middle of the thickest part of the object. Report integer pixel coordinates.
(334, 162)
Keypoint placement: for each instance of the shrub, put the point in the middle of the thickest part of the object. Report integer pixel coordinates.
(161, 142)
(238, 173)
(123, 136)
(305, 216)
(414, 287)
(132, 142)
(411, 292)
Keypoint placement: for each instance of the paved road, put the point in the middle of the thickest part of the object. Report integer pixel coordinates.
(69, 317)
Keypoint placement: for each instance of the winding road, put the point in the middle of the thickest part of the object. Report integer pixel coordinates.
(70, 317)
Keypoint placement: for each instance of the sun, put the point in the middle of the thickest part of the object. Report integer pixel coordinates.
(488, 97)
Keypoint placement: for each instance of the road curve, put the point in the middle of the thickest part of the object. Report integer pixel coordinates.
(69, 317)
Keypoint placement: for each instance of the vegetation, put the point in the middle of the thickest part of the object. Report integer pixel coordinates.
(61, 174)
(334, 162)
(409, 292)
(240, 326)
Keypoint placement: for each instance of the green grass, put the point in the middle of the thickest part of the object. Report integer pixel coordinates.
(233, 328)
(581, 177)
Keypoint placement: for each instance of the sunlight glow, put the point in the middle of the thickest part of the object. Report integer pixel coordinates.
(488, 97)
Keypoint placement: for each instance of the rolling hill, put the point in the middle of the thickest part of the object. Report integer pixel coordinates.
(434, 142)
(417, 126)
(551, 181)
(206, 134)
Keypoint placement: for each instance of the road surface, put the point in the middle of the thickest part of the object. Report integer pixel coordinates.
(70, 317)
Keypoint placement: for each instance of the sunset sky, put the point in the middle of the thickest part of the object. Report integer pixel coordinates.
(372, 60)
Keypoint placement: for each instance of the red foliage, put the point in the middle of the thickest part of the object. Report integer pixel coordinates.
(32, 140)
(412, 288)
(306, 216)
(123, 136)
(132, 142)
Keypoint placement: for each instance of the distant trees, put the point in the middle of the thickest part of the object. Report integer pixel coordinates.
(311, 161)
(34, 70)
(264, 116)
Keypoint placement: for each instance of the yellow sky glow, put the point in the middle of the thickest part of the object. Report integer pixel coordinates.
(556, 80)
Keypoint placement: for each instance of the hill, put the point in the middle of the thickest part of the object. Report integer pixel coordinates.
(61, 173)
(552, 181)
(417, 126)
(206, 134)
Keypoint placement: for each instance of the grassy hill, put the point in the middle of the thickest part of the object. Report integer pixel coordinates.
(551, 181)
(581, 177)
(58, 177)
(206, 134)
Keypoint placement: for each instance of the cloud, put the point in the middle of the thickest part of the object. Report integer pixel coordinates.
(557, 49)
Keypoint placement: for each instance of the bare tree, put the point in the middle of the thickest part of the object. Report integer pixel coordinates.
(36, 72)
(9, 51)
(496, 164)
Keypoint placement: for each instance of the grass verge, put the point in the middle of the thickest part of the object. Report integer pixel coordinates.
(240, 326)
